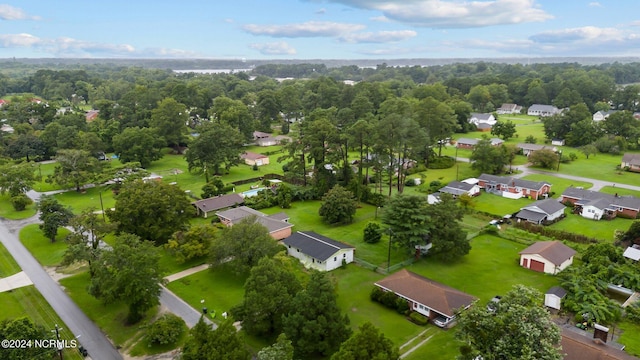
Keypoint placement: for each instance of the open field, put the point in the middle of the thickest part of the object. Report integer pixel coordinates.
(498, 205)
(630, 337)
(88, 199)
(620, 191)
(28, 302)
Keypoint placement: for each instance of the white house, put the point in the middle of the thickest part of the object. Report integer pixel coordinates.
(553, 297)
(542, 110)
(549, 257)
(482, 120)
(602, 115)
(318, 252)
(509, 109)
(457, 188)
(541, 211)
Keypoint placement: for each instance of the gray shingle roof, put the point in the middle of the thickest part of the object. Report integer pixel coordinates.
(457, 188)
(557, 291)
(315, 245)
(631, 159)
(530, 215)
(219, 202)
(273, 224)
(511, 181)
(588, 197)
(549, 206)
(543, 108)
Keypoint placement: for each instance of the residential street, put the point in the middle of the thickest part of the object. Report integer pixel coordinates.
(96, 343)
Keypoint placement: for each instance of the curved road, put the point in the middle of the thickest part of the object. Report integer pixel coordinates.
(96, 343)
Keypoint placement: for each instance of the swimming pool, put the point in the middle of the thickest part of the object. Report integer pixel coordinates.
(253, 192)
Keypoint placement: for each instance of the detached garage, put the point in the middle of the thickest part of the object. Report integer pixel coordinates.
(549, 257)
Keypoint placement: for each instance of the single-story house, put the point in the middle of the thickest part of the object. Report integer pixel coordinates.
(603, 115)
(528, 149)
(553, 297)
(632, 252)
(457, 188)
(318, 252)
(466, 143)
(265, 139)
(596, 205)
(631, 161)
(205, 206)
(251, 158)
(576, 346)
(487, 120)
(549, 257)
(509, 109)
(91, 115)
(541, 211)
(277, 224)
(542, 110)
(513, 188)
(425, 296)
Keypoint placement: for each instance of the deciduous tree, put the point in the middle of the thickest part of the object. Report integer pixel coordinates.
(74, 168)
(243, 245)
(223, 343)
(218, 146)
(152, 210)
(24, 329)
(338, 206)
(406, 216)
(53, 216)
(280, 350)
(141, 145)
(16, 179)
(487, 158)
(449, 240)
(88, 230)
(129, 272)
(170, 120)
(504, 129)
(520, 328)
(544, 158)
(193, 243)
(368, 343)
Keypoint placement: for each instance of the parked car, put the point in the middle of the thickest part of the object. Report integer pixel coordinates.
(492, 306)
(440, 321)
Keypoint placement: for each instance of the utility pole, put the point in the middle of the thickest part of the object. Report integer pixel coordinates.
(57, 331)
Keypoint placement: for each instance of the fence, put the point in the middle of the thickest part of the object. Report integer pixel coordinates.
(383, 270)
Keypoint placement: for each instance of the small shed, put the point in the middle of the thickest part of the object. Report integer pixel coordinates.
(554, 296)
(632, 252)
(549, 257)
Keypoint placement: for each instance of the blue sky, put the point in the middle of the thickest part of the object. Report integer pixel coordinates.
(319, 29)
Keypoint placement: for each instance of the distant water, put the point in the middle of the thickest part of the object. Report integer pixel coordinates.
(212, 71)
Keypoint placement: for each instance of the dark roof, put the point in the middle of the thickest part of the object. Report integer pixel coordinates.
(554, 251)
(578, 347)
(631, 159)
(585, 197)
(514, 182)
(467, 141)
(315, 245)
(548, 206)
(457, 188)
(484, 126)
(557, 291)
(530, 215)
(533, 147)
(481, 116)
(282, 216)
(441, 298)
(219, 202)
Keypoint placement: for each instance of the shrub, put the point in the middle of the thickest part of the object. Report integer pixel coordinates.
(530, 139)
(410, 182)
(402, 306)
(443, 162)
(418, 318)
(372, 233)
(20, 202)
(166, 330)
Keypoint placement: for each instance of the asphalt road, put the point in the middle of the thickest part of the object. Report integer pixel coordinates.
(96, 343)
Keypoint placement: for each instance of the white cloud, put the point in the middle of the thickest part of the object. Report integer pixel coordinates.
(381, 18)
(595, 4)
(586, 34)
(321, 11)
(378, 37)
(69, 47)
(274, 48)
(307, 29)
(8, 12)
(455, 14)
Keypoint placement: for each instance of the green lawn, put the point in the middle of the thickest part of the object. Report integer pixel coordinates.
(493, 261)
(442, 345)
(27, 301)
(169, 265)
(89, 199)
(630, 337)
(353, 285)
(601, 166)
(602, 229)
(110, 318)
(8, 265)
(7, 211)
(220, 288)
(42, 171)
(620, 191)
(498, 205)
(46, 252)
